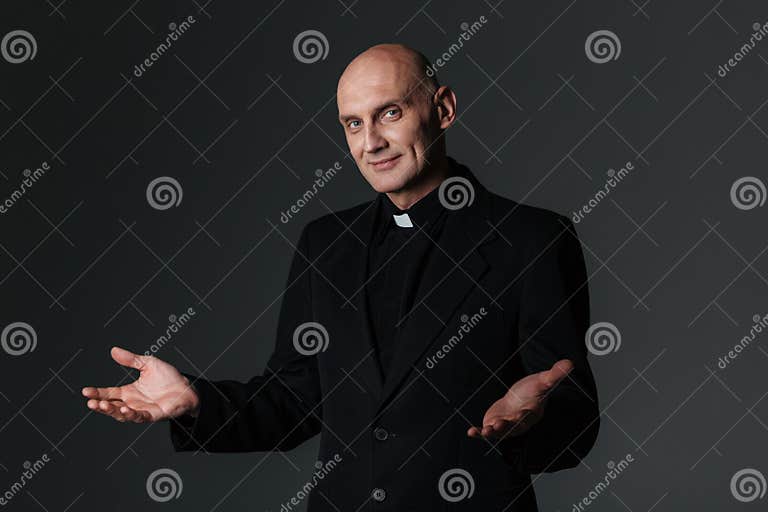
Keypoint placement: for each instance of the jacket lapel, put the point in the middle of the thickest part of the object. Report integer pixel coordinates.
(453, 269)
(349, 271)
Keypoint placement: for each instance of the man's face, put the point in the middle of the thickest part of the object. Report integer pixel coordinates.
(383, 122)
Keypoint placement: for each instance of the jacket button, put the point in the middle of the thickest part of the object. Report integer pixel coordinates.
(380, 434)
(379, 494)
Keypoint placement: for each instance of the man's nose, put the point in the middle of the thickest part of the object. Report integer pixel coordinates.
(373, 140)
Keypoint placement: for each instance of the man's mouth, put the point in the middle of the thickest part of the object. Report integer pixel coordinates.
(387, 163)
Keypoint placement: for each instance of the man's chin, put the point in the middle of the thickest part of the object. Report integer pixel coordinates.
(393, 180)
(387, 184)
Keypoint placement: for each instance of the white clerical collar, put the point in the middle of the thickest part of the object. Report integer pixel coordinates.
(404, 221)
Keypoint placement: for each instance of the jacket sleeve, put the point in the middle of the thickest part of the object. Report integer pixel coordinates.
(277, 410)
(553, 321)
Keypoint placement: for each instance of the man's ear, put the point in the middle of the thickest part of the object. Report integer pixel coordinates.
(442, 111)
(438, 104)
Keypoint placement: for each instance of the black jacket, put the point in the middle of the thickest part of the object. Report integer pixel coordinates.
(505, 296)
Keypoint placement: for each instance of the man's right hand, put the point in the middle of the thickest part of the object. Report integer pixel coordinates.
(160, 392)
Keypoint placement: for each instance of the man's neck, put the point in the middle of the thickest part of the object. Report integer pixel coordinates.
(422, 185)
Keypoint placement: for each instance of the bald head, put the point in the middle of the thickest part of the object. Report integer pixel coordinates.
(398, 60)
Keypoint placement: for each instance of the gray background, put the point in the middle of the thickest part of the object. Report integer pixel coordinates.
(242, 124)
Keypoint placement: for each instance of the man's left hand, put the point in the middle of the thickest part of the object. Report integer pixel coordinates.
(523, 405)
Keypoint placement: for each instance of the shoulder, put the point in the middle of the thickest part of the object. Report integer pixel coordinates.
(332, 225)
(531, 225)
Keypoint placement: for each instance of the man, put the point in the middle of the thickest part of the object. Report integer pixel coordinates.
(434, 337)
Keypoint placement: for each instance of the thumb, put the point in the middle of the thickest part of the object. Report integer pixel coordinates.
(557, 373)
(127, 358)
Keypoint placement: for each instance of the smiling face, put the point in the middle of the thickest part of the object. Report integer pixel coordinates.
(390, 116)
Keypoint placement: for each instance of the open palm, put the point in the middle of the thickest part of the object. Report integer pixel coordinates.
(160, 392)
(522, 406)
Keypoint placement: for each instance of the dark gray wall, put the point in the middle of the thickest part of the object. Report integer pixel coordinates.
(233, 115)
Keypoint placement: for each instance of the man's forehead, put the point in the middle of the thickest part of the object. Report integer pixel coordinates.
(363, 90)
(362, 85)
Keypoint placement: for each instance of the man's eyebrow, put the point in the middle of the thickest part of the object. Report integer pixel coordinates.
(347, 117)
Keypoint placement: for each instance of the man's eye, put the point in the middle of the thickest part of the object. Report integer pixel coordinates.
(390, 110)
(352, 122)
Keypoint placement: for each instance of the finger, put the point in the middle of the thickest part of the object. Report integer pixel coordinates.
(133, 415)
(487, 432)
(109, 393)
(95, 405)
(106, 406)
(501, 427)
(128, 358)
(111, 408)
(476, 432)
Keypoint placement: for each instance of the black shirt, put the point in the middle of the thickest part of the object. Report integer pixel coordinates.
(396, 257)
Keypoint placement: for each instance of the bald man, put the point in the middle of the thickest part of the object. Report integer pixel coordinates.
(433, 337)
